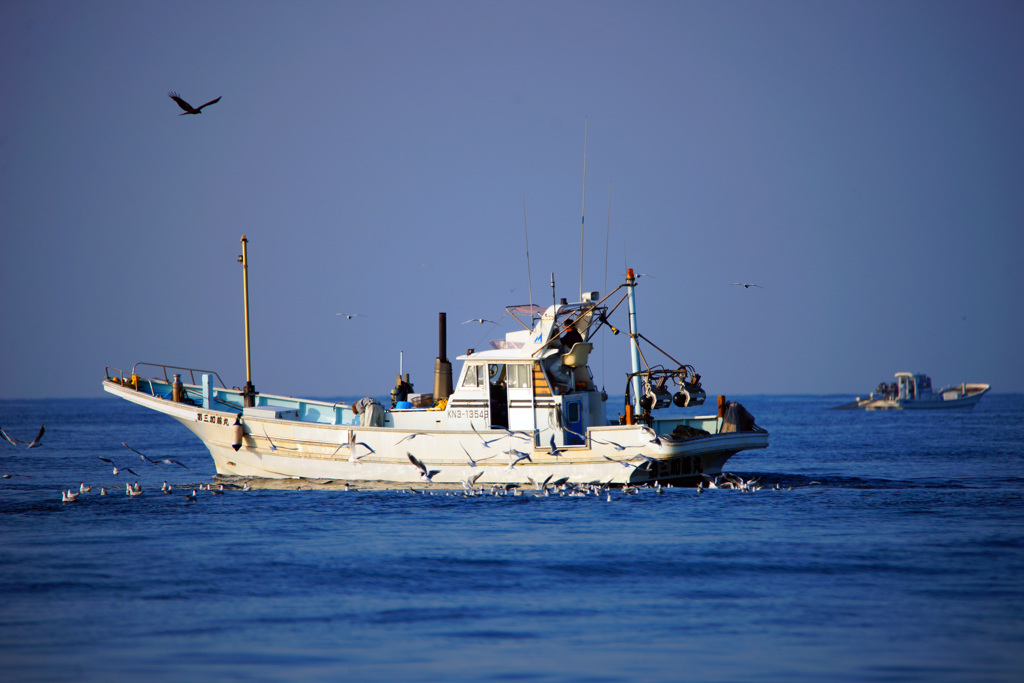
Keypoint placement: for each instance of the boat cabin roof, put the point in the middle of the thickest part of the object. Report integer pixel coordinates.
(539, 343)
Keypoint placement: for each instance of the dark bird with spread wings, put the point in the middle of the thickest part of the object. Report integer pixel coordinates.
(189, 109)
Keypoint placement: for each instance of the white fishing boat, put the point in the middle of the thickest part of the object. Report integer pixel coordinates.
(913, 391)
(526, 409)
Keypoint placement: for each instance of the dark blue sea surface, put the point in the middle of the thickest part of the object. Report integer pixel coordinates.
(893, 552)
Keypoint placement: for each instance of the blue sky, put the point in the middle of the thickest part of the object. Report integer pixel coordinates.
(863, 162)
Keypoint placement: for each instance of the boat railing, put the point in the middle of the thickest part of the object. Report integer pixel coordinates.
(192, 372)
(122, 377)
(137, 382)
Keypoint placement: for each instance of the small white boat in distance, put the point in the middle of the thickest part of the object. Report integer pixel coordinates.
(913, 391)
(527, 408)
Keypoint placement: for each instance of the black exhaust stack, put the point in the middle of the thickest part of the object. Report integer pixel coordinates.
(442, 368)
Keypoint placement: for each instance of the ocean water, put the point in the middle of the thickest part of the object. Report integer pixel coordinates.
(894, 552)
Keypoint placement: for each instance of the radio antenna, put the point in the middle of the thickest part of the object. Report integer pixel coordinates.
(607, 237)
(529, 279)
(583, 209)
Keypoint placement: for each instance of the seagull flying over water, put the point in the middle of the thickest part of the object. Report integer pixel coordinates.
(515, 457)
(169, 461)
(487, 442)
(31, 444)
(410, 437)
(472, 462)
(616, 446)
(349, 316)
(747, 285)
(425, 474)
(144, 457)
(39, 436)
(469, 482)
(189, 109)
(116, 468)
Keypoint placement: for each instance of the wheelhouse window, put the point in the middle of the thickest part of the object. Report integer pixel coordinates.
(519, 375)
(476, 375)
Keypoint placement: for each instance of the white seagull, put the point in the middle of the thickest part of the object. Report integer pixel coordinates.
(31, 444)
(117, 469)
(39, 437)
(515, 457)
(653, 434)
(539, 485)
(621, 462)
(144, 457)
(487, 442)
(614, 445)
(425, 474)
(746, 285)
(479, 321)
(472, 462)
(409, 437)
(469, 482)
(169, 461)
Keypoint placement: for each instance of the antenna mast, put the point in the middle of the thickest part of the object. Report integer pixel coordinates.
(529, 279)
(607, 238)
(249, 392)
(583, 209)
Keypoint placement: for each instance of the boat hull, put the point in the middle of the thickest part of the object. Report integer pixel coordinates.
(288, 449)
(967, 397)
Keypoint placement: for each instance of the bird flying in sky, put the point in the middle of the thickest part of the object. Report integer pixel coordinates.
(189, 109)
(745, 285)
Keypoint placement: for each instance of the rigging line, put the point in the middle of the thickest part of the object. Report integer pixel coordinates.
(583, 209)
(529, 279)
(659, 348)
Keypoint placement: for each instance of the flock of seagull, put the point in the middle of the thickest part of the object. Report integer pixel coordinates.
(564, 488)
(134, 490)
(470, 487)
